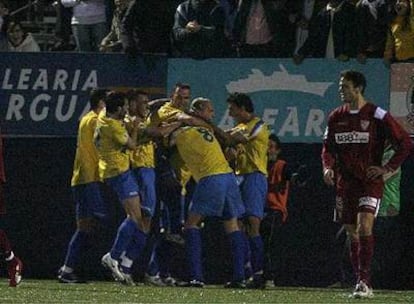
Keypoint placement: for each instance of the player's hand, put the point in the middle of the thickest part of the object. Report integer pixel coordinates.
(375, 172)
(329, 177)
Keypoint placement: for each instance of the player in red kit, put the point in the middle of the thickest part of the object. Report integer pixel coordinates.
(353, 146)
(14, 265)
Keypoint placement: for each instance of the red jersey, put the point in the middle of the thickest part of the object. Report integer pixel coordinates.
(355, 140)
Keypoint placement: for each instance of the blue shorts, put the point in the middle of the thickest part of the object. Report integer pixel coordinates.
(254, 191)
(124, 185)
(89, 201)
(217, 195)
(146, 183)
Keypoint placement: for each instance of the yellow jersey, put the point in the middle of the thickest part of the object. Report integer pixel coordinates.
(201, 152)
(252, 156)
(143, 155)
(110, 138)
(167, 113)
(85, 167)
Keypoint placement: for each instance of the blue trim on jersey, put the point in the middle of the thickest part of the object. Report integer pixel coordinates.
(217, 195)
(89, 201)
(259, 124)
(254, 191)
(124, 185)
(146, 183)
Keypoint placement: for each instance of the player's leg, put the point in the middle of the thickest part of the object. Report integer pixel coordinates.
(90, 208)
(14, 264)
(366, 252)
(193, 251)
(130, 229)
(254, 190)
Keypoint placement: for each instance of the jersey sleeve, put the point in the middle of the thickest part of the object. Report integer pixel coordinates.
(328, 147)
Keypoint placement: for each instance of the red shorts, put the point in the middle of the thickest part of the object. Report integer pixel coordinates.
(354, 196)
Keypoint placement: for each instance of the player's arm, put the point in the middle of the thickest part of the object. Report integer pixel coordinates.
(191, 120)
(160, 131)
(400, 141)
(327, 156)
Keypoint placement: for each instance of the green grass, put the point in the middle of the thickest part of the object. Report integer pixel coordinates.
(46, 291)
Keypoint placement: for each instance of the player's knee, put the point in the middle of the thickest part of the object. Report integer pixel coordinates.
(364, 229)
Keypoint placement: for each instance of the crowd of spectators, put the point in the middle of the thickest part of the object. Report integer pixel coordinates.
(340, 29)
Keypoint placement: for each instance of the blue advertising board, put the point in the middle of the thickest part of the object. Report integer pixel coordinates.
(293, 99)
(45, 94)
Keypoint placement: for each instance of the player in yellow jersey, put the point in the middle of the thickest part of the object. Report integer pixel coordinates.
(216, 193)
(248, 142)
(85, 188)
(143, 167)
(112, 141)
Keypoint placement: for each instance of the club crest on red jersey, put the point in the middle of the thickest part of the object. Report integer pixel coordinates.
(364, 124)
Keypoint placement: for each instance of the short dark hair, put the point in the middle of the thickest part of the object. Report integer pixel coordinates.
(357, 78)
(134, 93)
(273, 137)
(242, 101)
(97, 95)
(182, 85)
(114, 100)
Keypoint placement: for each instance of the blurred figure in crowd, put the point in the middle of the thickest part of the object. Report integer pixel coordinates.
(372, 17)
(147, 25)
(19, 40)
(88, 23)
(112, 42)
(198, 30)
(400, 39)
(332, 35)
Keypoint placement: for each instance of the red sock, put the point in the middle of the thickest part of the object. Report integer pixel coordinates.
(365, 256)
(5, 246)
(354, 251)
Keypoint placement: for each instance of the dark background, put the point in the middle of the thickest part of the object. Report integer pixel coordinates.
(41, 220)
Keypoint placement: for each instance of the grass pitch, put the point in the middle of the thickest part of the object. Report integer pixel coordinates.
(46, 291)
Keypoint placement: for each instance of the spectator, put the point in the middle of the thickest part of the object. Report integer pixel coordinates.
(332, 34)
(262, 29)
(88, 23)
(19, 40)
(303, 13)
(372, 18)
(400, 38)
(147, 25)
(199, 30)
(112, 41)
(63, 30)
(280, 178)
(230, 13)
(4, 13)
